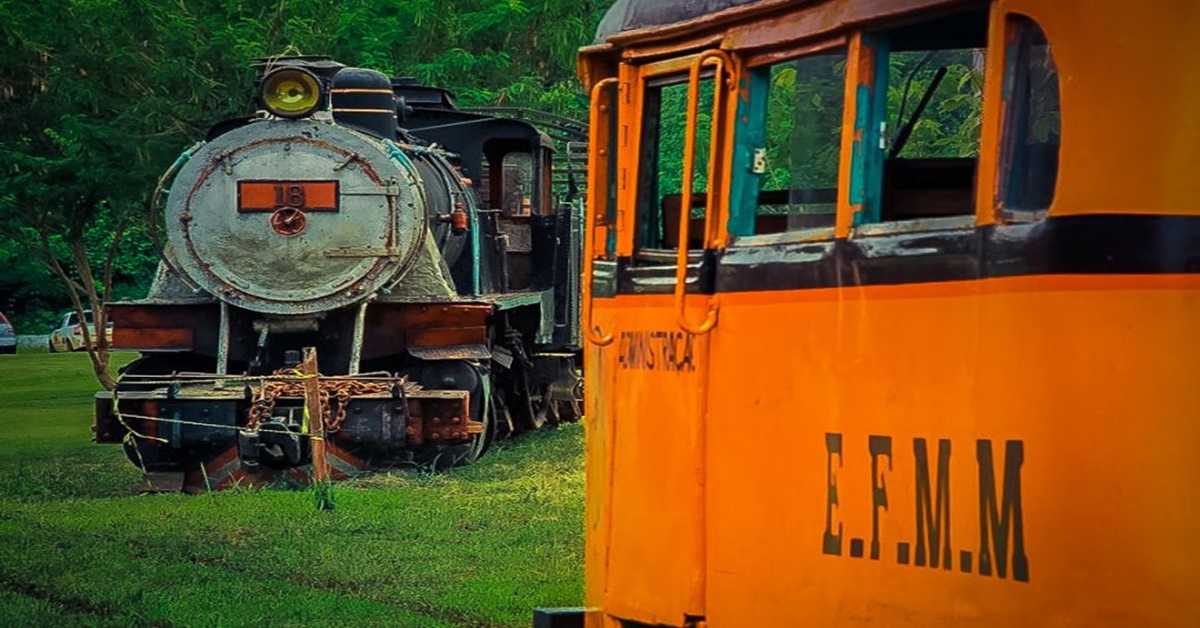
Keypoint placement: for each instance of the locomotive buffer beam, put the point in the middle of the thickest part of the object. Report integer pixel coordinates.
(213, 418)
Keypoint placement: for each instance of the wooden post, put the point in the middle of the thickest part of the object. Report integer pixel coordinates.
(316, 416)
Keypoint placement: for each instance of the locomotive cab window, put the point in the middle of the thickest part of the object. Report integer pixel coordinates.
(796, 148)
(517, 185)
(516, 178)
(660, 179)
(921, 154)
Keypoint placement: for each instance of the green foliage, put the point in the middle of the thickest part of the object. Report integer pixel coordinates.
(479, 546)
(804, 123)
(100, 96)
(804, 111)
(950, 126)
(673, 104)
(34, 295)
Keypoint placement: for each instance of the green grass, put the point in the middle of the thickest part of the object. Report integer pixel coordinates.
(480, 546)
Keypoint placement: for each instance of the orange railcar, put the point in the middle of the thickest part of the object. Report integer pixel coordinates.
(892, 310)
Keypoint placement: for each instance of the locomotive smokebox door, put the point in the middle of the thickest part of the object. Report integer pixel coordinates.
(295, 217)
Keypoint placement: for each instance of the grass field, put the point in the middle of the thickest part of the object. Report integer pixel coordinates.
(480, 546)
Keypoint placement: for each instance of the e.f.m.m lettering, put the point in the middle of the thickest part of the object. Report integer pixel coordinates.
(998, 524)
(1001, 526)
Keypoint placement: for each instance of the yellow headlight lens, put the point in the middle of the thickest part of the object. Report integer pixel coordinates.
(291, 93)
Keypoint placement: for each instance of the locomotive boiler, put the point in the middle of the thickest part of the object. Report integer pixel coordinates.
(359, 272)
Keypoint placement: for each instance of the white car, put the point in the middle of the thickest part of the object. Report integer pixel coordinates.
(8, 336)
(69, 334)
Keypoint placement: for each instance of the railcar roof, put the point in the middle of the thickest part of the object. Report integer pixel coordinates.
(628, 15)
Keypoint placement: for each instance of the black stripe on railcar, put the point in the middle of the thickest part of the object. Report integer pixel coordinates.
(1067, 245)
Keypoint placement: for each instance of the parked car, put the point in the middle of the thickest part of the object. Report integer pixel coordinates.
(68, 336)
(8, 336)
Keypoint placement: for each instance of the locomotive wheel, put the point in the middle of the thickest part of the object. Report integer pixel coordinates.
(541, 409)
(545, 408)
(480, 443)
(558, 402)
(538, 406)
(517, 402)
(454, 375)
(502, 419)
(571, 403)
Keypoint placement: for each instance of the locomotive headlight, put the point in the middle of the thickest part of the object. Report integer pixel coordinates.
(291, 93)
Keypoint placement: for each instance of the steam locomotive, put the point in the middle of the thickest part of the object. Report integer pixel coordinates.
(359, 272)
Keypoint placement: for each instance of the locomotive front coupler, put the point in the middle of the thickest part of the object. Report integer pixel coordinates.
(276, 442)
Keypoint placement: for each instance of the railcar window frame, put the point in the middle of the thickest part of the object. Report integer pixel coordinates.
(607, 179)
(750, 137)
(1022, 33)
(871, 154)
(648, 199)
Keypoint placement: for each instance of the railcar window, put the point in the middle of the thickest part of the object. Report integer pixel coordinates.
(1029, 152)
(660, 180)
(929, 97)
(803, 130)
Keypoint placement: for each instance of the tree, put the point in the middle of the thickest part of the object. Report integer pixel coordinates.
(87, 122)
(98, 97)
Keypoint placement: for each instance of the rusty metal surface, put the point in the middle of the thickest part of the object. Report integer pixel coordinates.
(395, 327)
(333, 395)
(224, 471)
(440, 416)
(452, 352)
(444, 336)
(153, 338)
(826, 18)
(149, 326)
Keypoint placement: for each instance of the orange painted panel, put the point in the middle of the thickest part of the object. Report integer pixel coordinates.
(599, 417)
(1090, 386)
(1126, 76)
(654, 570)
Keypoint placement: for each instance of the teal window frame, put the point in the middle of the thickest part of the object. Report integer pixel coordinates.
(750, 126)
(749, 135)
(870, 115)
